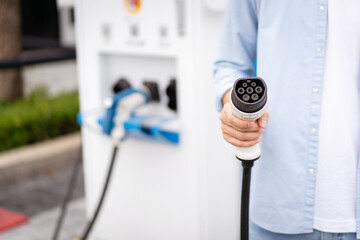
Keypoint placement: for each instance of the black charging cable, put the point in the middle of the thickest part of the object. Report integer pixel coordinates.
(103, 194)
(245, 196)
(70, 192)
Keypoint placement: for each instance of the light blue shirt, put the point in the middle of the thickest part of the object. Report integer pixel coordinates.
(287, 39)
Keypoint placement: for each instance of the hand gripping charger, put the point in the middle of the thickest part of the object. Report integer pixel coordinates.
(248, 101)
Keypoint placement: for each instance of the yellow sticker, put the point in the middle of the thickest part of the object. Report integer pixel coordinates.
(133, 6)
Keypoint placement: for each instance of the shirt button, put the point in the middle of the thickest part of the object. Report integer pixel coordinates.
(313, 131)
(315, 90)
(322, 8)
(311, 171)
(319, 50)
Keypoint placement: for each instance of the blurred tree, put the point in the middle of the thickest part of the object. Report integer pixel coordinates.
(10, 47)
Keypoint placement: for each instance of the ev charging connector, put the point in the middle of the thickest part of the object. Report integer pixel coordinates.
(248, 102)
(123, 104)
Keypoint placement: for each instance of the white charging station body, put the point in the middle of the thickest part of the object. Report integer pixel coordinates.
(158, 191)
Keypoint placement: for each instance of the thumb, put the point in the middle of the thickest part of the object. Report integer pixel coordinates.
(263, 120)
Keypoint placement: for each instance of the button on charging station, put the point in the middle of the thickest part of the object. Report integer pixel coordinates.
(163, 31)
(134, 30)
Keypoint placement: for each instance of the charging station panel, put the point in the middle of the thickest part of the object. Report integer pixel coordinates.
(162, 191)
(150, 27)
(136, 70)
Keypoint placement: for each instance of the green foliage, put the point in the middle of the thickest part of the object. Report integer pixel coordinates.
(37, 118)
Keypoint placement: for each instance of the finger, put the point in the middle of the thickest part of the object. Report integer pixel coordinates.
(229, 118)
(240, 135)
(236, 122)
(246, 136)
(253, 126)
(238, 143)
(263, 120)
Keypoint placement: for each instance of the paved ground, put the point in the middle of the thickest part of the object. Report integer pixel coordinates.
(40, 193)
(41, 226)
(39, 197)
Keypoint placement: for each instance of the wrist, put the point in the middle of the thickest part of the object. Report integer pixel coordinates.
(226, 97)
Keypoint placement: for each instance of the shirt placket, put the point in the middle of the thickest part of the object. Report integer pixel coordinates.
(315, 110)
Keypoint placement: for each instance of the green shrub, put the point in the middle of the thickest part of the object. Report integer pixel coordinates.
(37, 118)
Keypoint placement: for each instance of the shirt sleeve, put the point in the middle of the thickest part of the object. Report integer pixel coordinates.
(237, 50)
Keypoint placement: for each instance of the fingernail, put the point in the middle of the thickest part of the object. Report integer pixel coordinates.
(261, 130)
(263, 123)
(250, 124)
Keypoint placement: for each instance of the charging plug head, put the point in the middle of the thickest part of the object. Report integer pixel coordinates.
(249, 95)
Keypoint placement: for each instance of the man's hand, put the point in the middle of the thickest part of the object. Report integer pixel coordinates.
(238, 132)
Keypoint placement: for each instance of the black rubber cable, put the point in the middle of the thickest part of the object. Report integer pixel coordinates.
(98, 208)
(245, 196)
(68, 196)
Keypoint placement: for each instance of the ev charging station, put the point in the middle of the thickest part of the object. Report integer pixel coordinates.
(160, 190)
